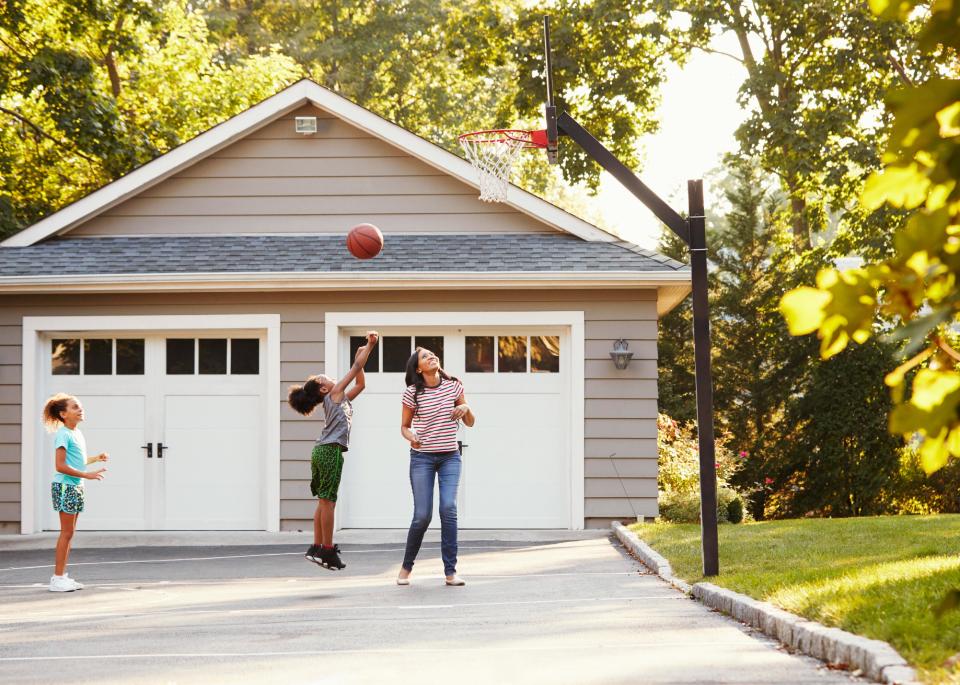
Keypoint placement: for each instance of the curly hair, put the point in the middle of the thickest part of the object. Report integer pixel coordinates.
(52, 409)
(305, 398)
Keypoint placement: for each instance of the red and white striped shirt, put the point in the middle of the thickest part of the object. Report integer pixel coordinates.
(436, 431)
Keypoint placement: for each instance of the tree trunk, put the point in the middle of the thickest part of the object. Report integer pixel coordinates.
(798, 221)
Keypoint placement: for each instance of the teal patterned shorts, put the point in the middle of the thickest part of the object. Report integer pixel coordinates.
(67, 498)
(326, 467)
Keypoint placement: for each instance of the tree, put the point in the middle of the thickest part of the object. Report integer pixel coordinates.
(772, 400)
(839, 459)
(676, 387)
(98, 87)
(916, 288)
(441, 68)
(95, 88)
(812, 89)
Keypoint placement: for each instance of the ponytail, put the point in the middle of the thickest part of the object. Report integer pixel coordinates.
(304, 398)
(55, 406)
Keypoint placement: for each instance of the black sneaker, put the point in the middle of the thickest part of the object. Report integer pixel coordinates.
(330, 558)
(313, 554)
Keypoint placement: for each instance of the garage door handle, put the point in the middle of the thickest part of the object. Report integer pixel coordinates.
(149, 448)
(160, 449)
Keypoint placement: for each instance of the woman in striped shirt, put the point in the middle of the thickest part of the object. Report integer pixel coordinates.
(433, 405)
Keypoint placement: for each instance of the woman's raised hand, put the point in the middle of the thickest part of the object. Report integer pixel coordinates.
(372, 337)
(459, 412)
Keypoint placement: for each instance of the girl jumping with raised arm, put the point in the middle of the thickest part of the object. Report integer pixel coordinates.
(326, 461)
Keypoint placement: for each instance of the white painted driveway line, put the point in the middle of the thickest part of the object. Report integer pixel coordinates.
(270, 554)
(311, 579)
(446, 649)
(87, 616)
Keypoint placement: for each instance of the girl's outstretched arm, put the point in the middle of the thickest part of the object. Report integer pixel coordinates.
(359, 383)
(358, 363)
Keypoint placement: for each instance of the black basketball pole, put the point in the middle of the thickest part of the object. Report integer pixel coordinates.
(704, 384)
(692, 231)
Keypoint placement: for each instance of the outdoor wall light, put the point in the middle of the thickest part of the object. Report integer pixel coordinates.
(305, 125)
(620, 355)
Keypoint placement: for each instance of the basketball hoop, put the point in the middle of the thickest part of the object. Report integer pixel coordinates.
(493, 154)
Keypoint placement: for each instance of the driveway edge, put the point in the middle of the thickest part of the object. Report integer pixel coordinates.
(875, 658)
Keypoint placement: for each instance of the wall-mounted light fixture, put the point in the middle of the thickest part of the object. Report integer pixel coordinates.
(306, 125)
(620, 355)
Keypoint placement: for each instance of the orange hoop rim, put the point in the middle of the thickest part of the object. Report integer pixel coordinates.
(530, 139)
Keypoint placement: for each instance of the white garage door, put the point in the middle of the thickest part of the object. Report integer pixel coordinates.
(182, 417)
(516, 460)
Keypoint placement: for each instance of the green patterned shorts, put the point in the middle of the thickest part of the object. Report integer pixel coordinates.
(326, 466)
(67, 498)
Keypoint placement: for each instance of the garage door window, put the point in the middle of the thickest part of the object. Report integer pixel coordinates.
(512, 354)
(545, 354)
(96, 356)
(212, 356)
(394, 351)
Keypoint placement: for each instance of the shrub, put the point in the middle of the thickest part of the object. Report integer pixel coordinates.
(684, 507)
(679, 475)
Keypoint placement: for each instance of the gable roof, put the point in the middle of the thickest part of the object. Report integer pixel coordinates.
(295, 96)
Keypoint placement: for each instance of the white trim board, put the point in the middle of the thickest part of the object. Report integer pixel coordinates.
(287, 100)
(35, 326)
(671, 286)
(573, 320)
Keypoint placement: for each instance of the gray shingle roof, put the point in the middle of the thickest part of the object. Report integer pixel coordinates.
(537, 252)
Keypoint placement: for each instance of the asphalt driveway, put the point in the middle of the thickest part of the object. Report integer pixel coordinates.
(566, 611)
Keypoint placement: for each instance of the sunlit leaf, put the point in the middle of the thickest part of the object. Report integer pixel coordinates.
(803, 309)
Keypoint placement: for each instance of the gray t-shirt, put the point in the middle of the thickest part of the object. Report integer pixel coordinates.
(338, 420)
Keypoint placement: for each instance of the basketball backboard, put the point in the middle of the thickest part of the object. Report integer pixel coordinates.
(550, 110)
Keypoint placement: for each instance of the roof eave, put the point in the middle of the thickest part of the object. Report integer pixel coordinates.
(671, 286)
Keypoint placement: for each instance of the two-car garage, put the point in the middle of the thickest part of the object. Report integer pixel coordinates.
(190, 417)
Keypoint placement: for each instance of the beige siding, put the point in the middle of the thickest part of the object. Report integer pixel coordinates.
(275, 181)
(620, 406)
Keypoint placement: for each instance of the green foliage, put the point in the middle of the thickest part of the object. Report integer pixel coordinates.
(684, 507)
(91, 89)
(917, 286)
(95, 88)
(839, 459)
(881, 577)
(676, 387)
(678, 478)
(777, 405)
(916, 492)
(814, 73)
(608, 66)
(441, 68)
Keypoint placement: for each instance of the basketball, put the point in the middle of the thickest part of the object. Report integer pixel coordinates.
(365, 241)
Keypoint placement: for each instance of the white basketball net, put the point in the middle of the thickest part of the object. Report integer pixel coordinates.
(493, 154)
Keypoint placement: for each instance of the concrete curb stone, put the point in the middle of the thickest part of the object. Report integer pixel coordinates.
(875, 658)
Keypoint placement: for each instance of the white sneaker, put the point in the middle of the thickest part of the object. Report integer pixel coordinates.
(77, 585)
(455, 580)
(62, 584)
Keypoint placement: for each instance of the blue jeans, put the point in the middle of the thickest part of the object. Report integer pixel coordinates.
(423, 467)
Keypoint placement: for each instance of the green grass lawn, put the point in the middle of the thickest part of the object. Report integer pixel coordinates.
(879, 577)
